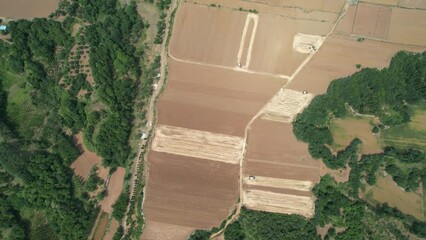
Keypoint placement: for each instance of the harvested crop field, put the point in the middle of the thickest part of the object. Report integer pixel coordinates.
(114, 189)
(17, 9)
(222, 101)
(372, 20)
(346, 23)
(344, 130)
(338, 57)
(421, 4)
(198, 26)
(155, 230)
(386, 191)
(87, 160)
(189, 192)
(197, 144)
(286, 105)
(279, 202)
(283, 171)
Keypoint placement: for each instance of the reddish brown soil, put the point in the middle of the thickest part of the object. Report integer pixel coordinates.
(155, 231)
(273, 151)
(189, 192)
(222, 101)
(198, 26)
(114, 189)
(408, 26)
(87, 160)
(16, 9)
(372, 20)
(101, 227)
(112, 229)
(338, 58)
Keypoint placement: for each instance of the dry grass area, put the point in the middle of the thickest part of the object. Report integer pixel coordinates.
(421, 4)
(197, 144)
(17, 9)
(340, 175)
(189, 192)
(87, 160)
(286, 105)
(279, 183)
(386, 191)
(115, 186)
(383, 2)
(155, 230)
(344, 130)
(279, 202)
(306, 43)
(101, 227)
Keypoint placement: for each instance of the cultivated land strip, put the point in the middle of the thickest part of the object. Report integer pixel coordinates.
(247, 129)
(197, 144)
(279, 183)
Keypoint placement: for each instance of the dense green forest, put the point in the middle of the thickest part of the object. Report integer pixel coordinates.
(41, 109)
(386, 93)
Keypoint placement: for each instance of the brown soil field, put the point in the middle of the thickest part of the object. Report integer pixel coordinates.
(155, 231)
(198, 26)
(344, 130)
(283, 169)
(221, 101)
(338, 57)
(286, 105)
(341, 175)
(372, 20)
(16, 9)
(346, 24)
(83, 164)
(407, 26)
(197, 144)
(101, 227)
(112, 229)
(421, 4)
(387, 191)
(114, 189)
(189, 192)
(326, 10)
(275, 54)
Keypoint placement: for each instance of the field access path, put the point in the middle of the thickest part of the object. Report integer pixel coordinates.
(151, 120)
(259, 113)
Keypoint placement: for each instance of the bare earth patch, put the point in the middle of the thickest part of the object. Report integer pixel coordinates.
(17, 9)
(112, 229)
(279, 183)
(114, 189)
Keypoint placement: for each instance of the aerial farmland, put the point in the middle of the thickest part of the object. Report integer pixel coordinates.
(239, 73)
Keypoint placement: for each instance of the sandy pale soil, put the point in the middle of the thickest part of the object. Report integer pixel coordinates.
(279, 183)
(346, 23)
(83, 164)
(279, 202)
(112, 229)
(16, 9)
(383, 2)
(189, 192)
(156, 231)
(372, 20)
(338, 57)
(197, 144)
(222, 101)
(421, 4)
(113, 190)
(286, 105)
(205, 34)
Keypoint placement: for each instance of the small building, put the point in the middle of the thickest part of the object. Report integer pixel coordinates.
(3, 28)
(143, 136)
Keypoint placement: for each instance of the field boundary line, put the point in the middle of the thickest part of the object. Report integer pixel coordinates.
(253, 36)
